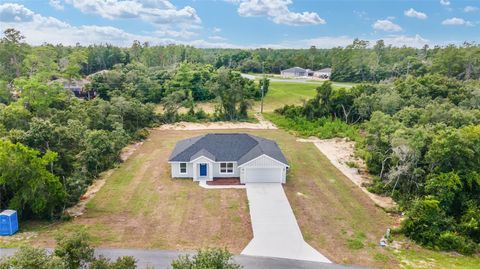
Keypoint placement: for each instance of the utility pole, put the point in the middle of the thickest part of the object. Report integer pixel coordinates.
(263, 86)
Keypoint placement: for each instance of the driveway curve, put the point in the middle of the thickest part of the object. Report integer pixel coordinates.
(275, 229)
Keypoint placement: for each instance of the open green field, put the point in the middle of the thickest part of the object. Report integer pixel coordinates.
(291, 93)
(279, 94)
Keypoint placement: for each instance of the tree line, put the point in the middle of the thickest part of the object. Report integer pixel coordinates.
(357, 62)
(421, 142)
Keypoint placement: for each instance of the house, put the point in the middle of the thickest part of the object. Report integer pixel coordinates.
(294, 72)
(324, 73)
(77, 87)
(235, 155)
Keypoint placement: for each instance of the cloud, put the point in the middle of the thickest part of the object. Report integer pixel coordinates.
(217, 38)
(470, 9)
(39, 29)
(172, 33)
(153, 11)
(216, 30)
(15, 13)
(326, 42)
(387, 26)
(56, 4)
(277, 11)
(457, 21)
(445, 2)
(416, 41)
(415, 14)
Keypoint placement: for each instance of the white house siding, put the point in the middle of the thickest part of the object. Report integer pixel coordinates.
(216, 171)
(176, 171)
(196, 172)
(263, 169)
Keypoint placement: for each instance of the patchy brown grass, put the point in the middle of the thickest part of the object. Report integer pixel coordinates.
(140, 206)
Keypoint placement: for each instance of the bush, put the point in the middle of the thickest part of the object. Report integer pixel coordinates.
(452, 241)
(210, 258)
(72, 252)
(425, 222)
(321, 127)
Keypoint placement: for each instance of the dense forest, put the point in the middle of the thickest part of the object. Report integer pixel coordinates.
(417, 120)
(420, 141)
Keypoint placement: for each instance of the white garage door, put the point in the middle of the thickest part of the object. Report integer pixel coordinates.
(263, 175)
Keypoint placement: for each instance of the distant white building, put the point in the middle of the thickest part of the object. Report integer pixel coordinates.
(324, 73)
(294, 72)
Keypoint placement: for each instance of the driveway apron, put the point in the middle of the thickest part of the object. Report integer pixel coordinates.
(275, 230)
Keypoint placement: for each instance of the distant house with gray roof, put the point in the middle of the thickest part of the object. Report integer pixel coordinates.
(324, 73)
(294, 72)
(229, 155)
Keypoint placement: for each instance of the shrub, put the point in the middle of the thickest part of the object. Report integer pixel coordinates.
(321, 127)
(452, 241)
(72, 252)
(425, 222)
(210, 258)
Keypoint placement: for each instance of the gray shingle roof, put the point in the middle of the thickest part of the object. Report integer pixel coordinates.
(226, 147)
(325, 70)
(294, 69)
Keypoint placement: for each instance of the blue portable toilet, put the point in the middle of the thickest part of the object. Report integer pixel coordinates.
(8, 222)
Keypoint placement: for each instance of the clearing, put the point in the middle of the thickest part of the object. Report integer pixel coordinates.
(140, 206)
(280, 93)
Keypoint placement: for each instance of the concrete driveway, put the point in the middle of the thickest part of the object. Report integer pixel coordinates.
(275, 229)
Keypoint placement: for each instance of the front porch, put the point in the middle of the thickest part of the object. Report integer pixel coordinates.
(224, 181)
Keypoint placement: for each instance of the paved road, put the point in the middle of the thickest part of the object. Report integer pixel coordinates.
(161, 259)
(275, 229)
(296, 80)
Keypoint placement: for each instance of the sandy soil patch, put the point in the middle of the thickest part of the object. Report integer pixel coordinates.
(340, 152)
(220, 125)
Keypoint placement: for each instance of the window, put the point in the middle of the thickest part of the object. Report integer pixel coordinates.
(226, 168)
(183, 168)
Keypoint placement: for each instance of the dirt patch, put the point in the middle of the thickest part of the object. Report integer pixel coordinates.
(340, 152)
(129, 150)
(78, 209)
(220, 125)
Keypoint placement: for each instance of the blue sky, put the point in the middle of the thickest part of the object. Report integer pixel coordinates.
(244, 23)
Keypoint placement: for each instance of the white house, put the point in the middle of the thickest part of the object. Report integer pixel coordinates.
(235, 155)
(324, 73)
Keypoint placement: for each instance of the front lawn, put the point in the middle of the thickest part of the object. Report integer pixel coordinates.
(140, 206)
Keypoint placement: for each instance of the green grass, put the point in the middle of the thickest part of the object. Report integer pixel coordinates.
(287, 93)
(292, 93)
(357, 241)
(421, 258)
